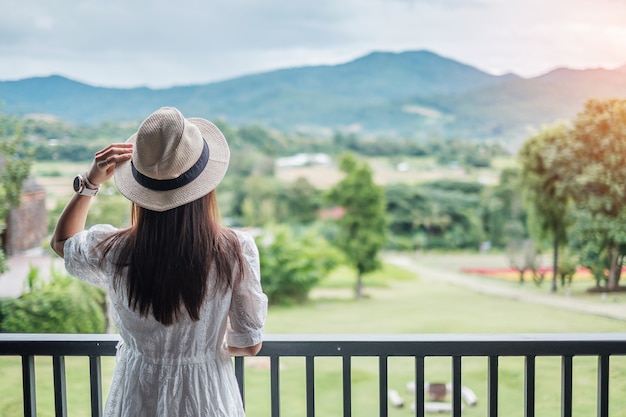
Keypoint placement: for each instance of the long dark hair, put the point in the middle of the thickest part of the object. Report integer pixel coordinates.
(169, 254)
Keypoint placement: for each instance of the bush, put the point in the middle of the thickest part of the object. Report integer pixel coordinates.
(292, 265)
(65, 305)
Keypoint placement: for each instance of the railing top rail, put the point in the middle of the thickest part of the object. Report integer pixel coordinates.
(565, 344)
(557, 344)
(58, 344)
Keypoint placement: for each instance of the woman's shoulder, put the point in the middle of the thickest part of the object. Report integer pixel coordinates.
(94, 235)
(244, 235)
(247, 241)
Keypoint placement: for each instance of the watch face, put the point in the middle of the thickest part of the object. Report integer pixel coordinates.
(77, 183)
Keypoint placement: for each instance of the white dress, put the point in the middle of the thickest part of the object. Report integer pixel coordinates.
(183, 369)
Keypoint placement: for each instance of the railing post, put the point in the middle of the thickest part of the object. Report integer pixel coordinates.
(456, 386)
(28, 386)
(529, 386)
(603, 386)
(95, 384)
(419, 386)
(383, 385)
(239, 375)
(310, 386)
(493, 387)
(275, 385)
(566, 386)
(347, 387)
(60, 398)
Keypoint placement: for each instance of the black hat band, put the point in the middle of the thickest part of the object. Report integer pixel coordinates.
(174, 183)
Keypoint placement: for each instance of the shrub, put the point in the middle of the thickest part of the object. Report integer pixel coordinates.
(292, 265)
(64, 305)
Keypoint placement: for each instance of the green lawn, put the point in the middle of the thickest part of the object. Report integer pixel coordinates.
(409, 306)
(402, 305)
(77, 374)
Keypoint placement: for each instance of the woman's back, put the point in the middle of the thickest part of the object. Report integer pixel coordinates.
(164, 367)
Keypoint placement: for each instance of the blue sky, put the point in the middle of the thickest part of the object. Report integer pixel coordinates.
(161, 43)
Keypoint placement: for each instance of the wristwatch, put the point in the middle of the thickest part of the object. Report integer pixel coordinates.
(82, 186)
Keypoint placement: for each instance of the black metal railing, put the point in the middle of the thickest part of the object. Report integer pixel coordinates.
(346, 347)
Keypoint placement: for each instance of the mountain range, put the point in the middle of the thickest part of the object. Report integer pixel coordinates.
(417, 94)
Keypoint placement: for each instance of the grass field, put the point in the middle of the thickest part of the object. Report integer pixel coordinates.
(415, 170)
(407, 305)
(396, 302)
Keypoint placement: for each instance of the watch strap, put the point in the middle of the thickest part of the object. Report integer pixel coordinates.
(82, 186)
(88, 191)
(89, 183)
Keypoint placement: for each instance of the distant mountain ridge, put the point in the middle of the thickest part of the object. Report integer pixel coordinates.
(416, 94)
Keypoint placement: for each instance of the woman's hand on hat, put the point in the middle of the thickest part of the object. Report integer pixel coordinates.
(103, 165)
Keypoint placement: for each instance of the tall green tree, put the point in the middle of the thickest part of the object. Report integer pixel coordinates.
(575, 178)
(544, 158)
(363, 224)
(14, 169)
(598, 164)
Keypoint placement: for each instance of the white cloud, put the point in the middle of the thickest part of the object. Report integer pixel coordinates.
(161, 43)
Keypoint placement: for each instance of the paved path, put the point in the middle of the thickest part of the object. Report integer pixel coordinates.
(505, 289)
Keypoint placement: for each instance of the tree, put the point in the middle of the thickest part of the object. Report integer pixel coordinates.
(259, 205)
(14, 169)
(302, 200)
(438, 215)
(404, 205)
(261, 138)
(502, 211)
(599, 243)
(543, 159)
(451, 217)
(362, 227)
(598, 164)
(568, 266)
(524, 256)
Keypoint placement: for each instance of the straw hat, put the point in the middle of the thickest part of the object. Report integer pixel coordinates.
(175, 161)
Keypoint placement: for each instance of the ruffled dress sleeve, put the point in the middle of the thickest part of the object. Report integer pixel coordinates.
(248, 309)
(82, 254)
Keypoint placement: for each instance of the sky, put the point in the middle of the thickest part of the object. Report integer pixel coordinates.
(157, 43)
